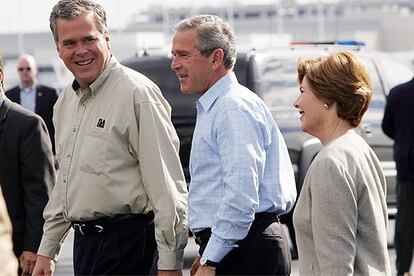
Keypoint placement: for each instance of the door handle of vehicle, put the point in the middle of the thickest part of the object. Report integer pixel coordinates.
(365, 130)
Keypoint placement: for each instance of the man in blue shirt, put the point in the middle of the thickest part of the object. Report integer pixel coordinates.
(241, 173)
(34, 96)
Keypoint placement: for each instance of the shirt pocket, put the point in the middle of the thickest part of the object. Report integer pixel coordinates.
(93, 157)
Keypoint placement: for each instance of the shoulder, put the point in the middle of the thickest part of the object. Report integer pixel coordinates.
(12, 91)
(46, 89)
(402, 88)
(23, 116)
(341, 152)
(135, 82)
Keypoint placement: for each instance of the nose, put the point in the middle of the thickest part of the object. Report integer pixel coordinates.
(175, 64)
(80, 49)
(296, 103)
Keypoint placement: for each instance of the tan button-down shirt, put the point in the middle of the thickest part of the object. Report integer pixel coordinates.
(118, 153)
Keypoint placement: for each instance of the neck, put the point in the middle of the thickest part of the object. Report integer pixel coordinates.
(27, 85)
(336, 129)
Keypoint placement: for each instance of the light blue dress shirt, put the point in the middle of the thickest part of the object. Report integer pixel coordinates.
(28, 98)
(239, 166)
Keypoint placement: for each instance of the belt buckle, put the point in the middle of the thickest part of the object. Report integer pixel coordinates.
(80, 226)
(99, 227)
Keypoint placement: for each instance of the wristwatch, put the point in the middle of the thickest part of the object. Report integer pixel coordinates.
(206, 262)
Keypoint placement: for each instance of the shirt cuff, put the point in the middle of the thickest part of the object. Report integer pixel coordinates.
(218, 248)
(50, 249)
(170, 260)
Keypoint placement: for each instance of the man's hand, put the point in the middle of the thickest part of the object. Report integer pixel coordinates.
(44, 266)
(206, 271)
(170, 273)
(195, 266)
(27, 262)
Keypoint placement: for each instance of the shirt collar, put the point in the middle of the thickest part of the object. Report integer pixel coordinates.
(1, 98)
(28, 89)
(219, 88)
(96, 84)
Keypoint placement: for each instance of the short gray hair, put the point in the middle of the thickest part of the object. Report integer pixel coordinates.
(213, 33)
(70, 9)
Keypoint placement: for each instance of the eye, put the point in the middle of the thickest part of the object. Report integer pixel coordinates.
(89, 39)
(301, 89)
(68, 43)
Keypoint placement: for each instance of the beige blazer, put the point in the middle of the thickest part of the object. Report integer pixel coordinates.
(341, 214)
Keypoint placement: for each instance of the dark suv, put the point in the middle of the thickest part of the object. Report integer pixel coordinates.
(271, 73)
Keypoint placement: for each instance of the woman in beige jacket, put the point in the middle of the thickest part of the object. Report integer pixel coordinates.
(341, 214)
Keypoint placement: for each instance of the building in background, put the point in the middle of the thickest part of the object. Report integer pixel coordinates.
(382, 24)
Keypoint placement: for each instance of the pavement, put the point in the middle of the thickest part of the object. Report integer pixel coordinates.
(64, 266)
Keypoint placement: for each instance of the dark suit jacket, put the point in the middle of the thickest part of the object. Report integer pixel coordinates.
(398, 124)
(45, 100)
(26, 172)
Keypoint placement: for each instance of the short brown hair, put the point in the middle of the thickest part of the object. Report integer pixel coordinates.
(339, 78)
(70, 9)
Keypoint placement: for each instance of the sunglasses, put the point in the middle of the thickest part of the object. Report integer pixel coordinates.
(24, 68)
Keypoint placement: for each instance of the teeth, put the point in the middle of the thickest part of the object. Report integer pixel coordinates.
(84, 62)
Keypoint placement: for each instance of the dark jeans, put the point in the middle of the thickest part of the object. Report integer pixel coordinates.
(404, 226)
(121, 247)
(264, 251)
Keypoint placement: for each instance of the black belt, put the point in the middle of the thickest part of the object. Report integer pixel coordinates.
(98, 226)
(202, 237)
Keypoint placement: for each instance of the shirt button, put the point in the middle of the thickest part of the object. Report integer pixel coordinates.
(68, 155)
(74, 129)
(64, 181)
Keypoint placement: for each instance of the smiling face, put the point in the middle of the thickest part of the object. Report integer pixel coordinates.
(83, 49)
(313, 111)
(196, 73)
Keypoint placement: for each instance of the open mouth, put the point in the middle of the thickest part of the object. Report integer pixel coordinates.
(182, 76)
(84, 62)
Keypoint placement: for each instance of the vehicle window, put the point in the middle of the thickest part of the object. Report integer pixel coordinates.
(378, 96)
(278, 84)
(395, 72)
(279, 88)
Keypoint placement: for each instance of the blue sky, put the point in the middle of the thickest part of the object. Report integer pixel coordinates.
(33, 15)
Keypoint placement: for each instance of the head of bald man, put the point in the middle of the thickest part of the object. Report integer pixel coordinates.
(27, 70)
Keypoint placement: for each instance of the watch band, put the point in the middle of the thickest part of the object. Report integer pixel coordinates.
(206, 262)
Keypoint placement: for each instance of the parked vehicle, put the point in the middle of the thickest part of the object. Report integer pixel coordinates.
(271, 73)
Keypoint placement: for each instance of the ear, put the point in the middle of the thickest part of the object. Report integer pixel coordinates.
(217, 58)
(107, 40)
(57, 49)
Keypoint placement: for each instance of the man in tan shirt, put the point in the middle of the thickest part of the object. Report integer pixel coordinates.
(118, 156)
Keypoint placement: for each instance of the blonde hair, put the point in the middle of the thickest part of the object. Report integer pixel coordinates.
(339, 78)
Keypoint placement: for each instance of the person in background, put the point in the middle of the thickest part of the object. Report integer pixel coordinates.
(34, 96)
(8, 262)
(341, 214)
(241, 174)
(27, 174)
(118, 160)
(398, 124)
